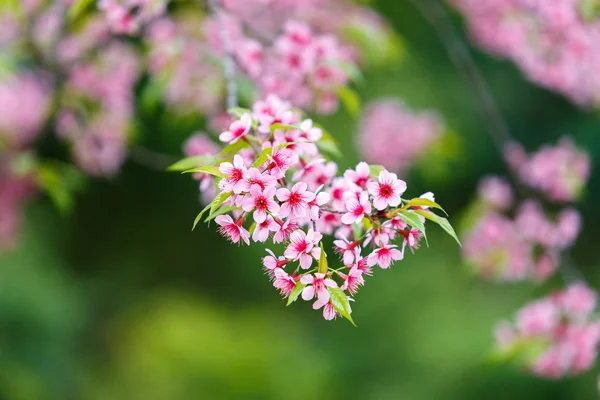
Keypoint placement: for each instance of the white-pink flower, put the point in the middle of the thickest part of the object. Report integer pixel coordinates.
(295, 201)
(284, 282)
(284, 230)
(234, 173)
(237, 130)
(256, 178)
(261, 201)
(233, 230)
(346, 249)
(303, 247)
(317, 285)
(353, 281)
(384, 256)
(387, 190)
(262, 229)
(357, 208)
(360, 176)
(320, 199)
(272, 262)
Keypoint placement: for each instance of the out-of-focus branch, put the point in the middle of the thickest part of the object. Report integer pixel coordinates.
(460, 55)
(228, 60)
(435, 13)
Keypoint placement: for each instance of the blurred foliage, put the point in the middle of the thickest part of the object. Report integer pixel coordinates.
(120, 300)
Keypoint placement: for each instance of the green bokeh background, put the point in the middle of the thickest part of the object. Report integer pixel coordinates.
(120, 300)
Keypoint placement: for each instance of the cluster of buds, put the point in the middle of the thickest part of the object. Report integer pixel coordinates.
(396, 137)
(274, 185)
(556, 43)
(555, 336)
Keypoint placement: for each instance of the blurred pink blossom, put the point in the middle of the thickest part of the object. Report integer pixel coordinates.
(396, 137)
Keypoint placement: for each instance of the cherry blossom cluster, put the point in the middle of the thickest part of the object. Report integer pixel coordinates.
(273, 184)
(561, 328)
(396, 137)
(128, 16)
(526, 243)
(527, 246)
(300, 66)
(559, 172)
(555, 43)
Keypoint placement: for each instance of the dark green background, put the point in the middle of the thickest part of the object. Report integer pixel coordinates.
(120, 300)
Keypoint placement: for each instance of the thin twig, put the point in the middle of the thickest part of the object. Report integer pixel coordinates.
(228, 60)
(460, 55)
(498, 128)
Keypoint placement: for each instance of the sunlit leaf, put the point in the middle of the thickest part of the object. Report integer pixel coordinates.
(210, 169)
(284, 127)
(423, 202)
(191, 162)
(60, 181)
(263, 157)
(441, 221)
(374, 170)
(340, 303)
(323, 264)
(238, 111)
(413, 220)
(295, 292)
(350, 99)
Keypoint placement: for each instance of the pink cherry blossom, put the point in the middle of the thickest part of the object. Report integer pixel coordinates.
(284, 230)
(317, 286)
(304, 247)
(295, 201)
(263, 229)
(237, 130)
(360, 176)
(357, 208)
(384, 256)
(346, 249)
(353, 280)
(232, 230)
(261, 202)
(387, 191)
(284, 282)
(272, 262)
(235, 174)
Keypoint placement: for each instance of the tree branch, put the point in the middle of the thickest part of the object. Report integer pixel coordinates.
(228, 60)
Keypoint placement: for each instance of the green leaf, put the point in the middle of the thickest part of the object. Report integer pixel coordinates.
(323, 265)
(210, 169)
(191, 162)
(295, 292)
(284, 127)
(263, 157)
(330, 148)
(238, 111)
(60, 181)
(79, 8)
(350, 99)
(413, 220)
(199, 216)
(252, 228)
(231, 149)
(220, 199)
(441, 221)
(340, 303)
(220, 211)
(374, 170)
(422, 202)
